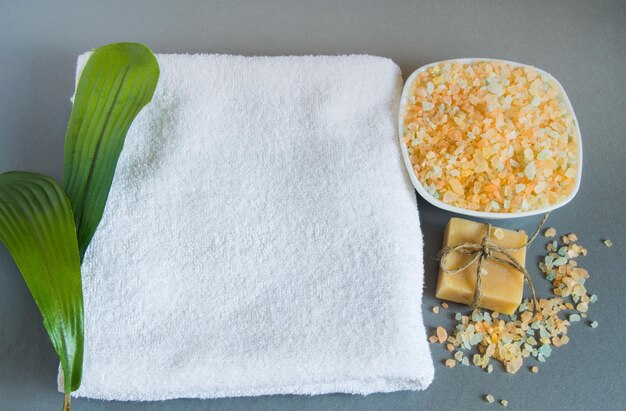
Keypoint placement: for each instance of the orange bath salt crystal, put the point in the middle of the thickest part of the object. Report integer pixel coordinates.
(442, 334)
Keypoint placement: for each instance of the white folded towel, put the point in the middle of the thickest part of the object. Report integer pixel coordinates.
(261, 237)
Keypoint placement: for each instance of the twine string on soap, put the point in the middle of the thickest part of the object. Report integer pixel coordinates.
(488, 250)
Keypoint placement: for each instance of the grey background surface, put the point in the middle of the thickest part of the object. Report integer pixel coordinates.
(582, 43)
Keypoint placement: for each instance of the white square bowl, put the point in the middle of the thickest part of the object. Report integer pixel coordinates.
(483, 214)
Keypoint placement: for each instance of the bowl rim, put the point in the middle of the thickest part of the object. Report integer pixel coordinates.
(483, 214)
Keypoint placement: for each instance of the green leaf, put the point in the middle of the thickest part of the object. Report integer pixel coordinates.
(115, 84)
(37, 227)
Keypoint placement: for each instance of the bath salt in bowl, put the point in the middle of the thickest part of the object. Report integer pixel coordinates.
(490, 138)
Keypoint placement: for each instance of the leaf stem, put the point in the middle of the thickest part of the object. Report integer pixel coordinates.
(67, 406)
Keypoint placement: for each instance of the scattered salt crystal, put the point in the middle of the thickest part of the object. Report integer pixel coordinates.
(442, 334)
(450, 363)
(550, 232)
(608, 243)
(593, 324)
(514, 365)
(489, 398)
(545, 350)
(436, 310)
(504, 403)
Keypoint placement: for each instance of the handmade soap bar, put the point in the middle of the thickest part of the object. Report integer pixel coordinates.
(502, 285)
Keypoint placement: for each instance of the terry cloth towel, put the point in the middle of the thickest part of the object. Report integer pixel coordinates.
(261, 237)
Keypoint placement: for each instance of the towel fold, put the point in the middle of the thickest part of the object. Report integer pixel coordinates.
(261, 237)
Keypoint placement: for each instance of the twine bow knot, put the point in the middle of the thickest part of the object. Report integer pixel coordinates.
(488, 250)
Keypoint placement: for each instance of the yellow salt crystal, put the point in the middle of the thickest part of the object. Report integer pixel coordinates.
(550, 232)
(514, 365)
(456, 186)
(442, 334)
(502, 288)
(571, 172)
